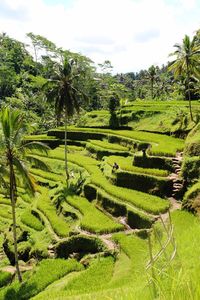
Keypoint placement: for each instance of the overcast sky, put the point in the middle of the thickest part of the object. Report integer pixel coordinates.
(132, 34)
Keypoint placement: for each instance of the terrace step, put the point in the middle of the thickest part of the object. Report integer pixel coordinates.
(51, 253)
(177, 159)
(178, 170)
(178, 185)
(177, 181)
(176, 166)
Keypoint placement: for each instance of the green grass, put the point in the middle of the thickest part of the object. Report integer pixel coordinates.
(5, 201)
(126, 164)
(45, 273)
(59, 225)
(170, 104)
(95, 118)
(98, 274)
(180, 281)
(39, 137)
(162, 145)
(148, 203)
(47, 175)
(30, 220)
(106, 145)
(101, 148)
(106, 279)
(136, 249)
(93, 219)
(72, 148)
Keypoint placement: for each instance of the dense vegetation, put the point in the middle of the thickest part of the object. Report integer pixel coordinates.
(89, 200)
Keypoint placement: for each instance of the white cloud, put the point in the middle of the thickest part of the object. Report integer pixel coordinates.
(133, 34)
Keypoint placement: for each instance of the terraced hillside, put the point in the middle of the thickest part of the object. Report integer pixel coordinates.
(145, 115)
(89, 241)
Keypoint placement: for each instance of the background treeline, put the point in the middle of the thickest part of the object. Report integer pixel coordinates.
(28, 76)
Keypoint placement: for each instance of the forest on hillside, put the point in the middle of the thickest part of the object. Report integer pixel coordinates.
(29, 82)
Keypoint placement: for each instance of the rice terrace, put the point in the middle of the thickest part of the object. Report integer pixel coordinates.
(100, 176)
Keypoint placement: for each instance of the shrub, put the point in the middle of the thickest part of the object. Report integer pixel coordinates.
(79, 244)
(191, 200)
(191, 169)
(113, 104)
(192, 147)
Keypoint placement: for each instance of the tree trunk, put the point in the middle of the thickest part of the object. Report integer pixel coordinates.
(188, 88)
(66, 159)
(13, 198)
(152, 83)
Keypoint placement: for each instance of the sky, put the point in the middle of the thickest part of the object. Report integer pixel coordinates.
(132, 34)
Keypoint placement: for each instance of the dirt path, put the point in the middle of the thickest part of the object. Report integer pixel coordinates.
(12, 269)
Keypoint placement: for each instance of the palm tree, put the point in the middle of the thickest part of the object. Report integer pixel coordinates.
(187, 63)
(62, 91)
(152, 74)
(15, 156)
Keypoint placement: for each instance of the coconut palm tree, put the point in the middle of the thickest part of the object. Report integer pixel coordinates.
(187, 63)
(15, 156)
(61, 90)
(152, 75)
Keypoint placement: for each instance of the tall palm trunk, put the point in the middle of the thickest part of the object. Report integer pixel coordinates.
(152, 85)
(66, 159)
(188, 88)
(13, 197)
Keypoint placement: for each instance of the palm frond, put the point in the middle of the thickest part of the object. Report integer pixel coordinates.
(38, 163)
(28, 180)
(4, 174)
(36, 146)
(5, 121)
